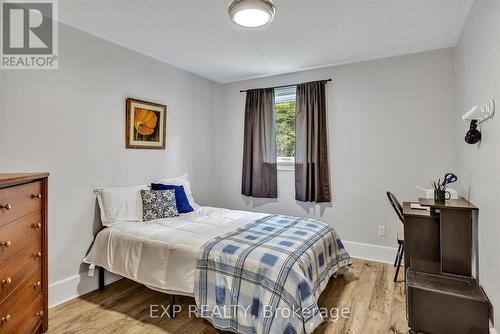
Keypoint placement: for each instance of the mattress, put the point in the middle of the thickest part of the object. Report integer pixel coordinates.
(162, 253)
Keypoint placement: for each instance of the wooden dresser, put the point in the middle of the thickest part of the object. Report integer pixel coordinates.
(23, 253)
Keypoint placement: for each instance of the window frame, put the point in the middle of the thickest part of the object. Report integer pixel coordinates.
(285, 163)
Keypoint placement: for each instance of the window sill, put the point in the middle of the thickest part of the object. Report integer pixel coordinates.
(286, 164)
(286, 167)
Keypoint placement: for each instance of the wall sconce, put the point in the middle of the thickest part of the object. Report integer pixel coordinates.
(476, 116)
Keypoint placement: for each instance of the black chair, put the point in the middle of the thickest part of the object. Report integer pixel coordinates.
(401, 239)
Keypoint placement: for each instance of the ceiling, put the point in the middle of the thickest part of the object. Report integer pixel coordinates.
(198, 36)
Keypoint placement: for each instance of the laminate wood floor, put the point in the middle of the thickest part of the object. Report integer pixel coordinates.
(375, 303)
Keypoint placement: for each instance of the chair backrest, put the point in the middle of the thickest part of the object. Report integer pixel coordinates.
(395, 204)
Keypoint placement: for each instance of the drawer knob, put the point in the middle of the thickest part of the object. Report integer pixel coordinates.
(6, 244)
(40, 314)
(36, 226)
(7, 207)
(37, 196)
(37, 284)
(37, 254)
(6, 281)
(6, 318)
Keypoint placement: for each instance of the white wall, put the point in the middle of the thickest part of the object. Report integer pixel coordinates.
(70, 122)
(477, 80)
(390, 128)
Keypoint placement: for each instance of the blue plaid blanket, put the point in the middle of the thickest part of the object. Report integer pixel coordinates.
(266, 277)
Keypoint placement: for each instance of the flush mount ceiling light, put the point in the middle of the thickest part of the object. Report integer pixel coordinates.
(251, 13)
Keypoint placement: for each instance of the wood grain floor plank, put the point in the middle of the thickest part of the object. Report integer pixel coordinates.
(378, 315)
(361, 298)
(397, 322)
(376, 305)
(338, 294)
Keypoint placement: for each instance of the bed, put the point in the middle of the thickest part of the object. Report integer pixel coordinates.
(194, 255)
(244, 269)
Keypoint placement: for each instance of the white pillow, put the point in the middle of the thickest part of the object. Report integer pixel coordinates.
(182, 180)
(120, 204)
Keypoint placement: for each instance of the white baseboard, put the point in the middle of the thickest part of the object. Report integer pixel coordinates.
(493, 331)
(75, 286)
(371, 252)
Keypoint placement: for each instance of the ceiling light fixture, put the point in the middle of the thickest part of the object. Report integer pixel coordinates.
(251, 13)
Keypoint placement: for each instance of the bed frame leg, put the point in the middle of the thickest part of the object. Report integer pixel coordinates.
(101, 278)
(172, 307)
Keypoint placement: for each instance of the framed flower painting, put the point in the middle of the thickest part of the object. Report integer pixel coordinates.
(145, 125)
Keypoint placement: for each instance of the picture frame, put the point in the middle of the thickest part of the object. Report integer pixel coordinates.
(145, 125)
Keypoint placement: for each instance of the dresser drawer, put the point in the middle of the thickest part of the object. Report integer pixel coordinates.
(19, 234)
(17, 201)
(19, 267)
(33, 318)
(22, 310)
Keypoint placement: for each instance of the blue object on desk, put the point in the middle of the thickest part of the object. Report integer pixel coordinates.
(449, 178)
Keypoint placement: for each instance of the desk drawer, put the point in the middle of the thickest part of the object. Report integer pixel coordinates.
(15, 270)
(22, 310)
(17, 201)
(19, 234)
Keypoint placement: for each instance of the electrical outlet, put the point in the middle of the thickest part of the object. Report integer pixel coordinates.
(381, 231)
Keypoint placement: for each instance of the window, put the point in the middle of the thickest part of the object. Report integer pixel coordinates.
(284, 115)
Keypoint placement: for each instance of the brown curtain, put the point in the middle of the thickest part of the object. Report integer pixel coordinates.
(312, 178)
(259, 148)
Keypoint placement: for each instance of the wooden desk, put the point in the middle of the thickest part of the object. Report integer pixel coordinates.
(443, 234)
(439, 245)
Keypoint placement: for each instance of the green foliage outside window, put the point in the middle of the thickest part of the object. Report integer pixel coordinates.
(285, 129)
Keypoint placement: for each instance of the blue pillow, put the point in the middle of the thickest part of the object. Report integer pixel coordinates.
(181, 200)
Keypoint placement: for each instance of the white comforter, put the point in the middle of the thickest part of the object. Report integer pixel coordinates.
(162, 253)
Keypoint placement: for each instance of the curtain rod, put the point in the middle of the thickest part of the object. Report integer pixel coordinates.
(283, 86)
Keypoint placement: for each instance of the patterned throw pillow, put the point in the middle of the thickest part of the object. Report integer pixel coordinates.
(158, 204)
